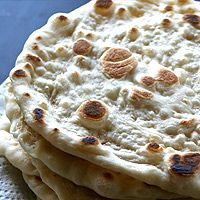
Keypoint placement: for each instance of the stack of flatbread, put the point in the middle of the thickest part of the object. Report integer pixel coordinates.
(104, 103)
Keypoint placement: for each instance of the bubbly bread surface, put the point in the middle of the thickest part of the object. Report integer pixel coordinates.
(117, 83)
(106, 183)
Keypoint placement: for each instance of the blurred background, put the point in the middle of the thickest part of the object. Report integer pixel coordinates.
(18, 19)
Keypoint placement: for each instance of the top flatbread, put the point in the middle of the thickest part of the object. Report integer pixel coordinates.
(117, 83)
(105, 182)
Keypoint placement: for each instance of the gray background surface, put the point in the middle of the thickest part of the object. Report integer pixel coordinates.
(18, 19)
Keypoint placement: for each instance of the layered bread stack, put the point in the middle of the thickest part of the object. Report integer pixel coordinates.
(104, 103)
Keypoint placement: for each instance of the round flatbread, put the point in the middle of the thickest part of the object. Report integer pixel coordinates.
(39, 188)
(81, 172)
(11, 149)
(49, 185)
(117, 83)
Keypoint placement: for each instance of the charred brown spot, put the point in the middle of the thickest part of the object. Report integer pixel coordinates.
(192, 19)
(167, 77)
(188, 122)
(82, 47)
(62, 18)
(38, 178)
(35, 46)
(55, 130)
(26, 94)
(166, 23)
(104, 142)
(90, 140)
(148, 80)
(38, 38)
(94, 110)
(185, 165)
(168, 8)
(154, 147)
(19, 73)
(121, 11)
(33, 58)
(38, 114)
(89, 35)
(104, 4)
(108, 176)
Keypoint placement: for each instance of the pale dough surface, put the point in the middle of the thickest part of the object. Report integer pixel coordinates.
(103, 181)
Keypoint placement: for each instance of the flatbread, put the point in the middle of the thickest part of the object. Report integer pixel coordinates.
(11, 149)
(45, 184)
(81, 172)
(12, 185)
(39, 188)
(103, 181)
(64, 188)
(117, 83)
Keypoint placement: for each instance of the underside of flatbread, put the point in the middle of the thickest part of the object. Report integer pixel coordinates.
(39, 188)
(11, 149)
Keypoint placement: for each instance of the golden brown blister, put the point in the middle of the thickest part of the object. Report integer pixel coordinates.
(93, 113)
(38, 38)
(167, 76)
(140, 93)
(148, 81)
(154, 147)
(121, 11)
(33, 58)
(133, 33)
(35, 46)
(182, 1)
(26, 94)
(29, 67)
(82, 47)
(61, 20)
(166, 23)
(168, 8)
(187, 122)
(104, 7)
(117, 62)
